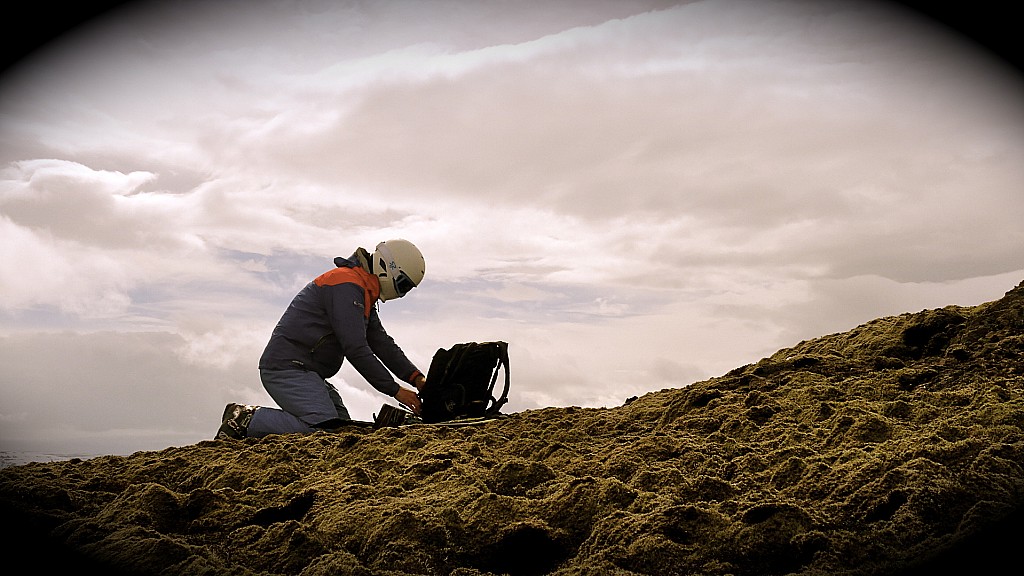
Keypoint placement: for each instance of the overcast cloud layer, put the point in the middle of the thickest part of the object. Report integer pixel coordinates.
(634, 194)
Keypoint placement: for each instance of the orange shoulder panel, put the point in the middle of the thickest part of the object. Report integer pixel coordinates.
(357, 276)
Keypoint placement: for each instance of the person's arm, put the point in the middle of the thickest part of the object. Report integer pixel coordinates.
(419, 381)
(390, 354)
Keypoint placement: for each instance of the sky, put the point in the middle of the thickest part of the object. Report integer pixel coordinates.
(634, 194)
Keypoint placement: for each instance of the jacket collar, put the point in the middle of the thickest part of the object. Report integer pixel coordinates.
(359, 259)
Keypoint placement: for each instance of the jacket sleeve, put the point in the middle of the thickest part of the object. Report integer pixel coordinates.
(345, 304)
(385, 348)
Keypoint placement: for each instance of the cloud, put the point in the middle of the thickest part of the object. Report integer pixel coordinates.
(634, 195)
(80, 388)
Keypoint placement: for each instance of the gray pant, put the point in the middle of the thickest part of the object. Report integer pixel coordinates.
(308, 403)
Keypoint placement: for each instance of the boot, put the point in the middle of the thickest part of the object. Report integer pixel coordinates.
(235, 421)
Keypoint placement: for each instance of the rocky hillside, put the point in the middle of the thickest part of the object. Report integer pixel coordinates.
(894, 448)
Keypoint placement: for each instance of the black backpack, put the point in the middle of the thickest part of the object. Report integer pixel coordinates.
(460, 382)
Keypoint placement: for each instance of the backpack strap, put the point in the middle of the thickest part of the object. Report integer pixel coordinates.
(502, 363)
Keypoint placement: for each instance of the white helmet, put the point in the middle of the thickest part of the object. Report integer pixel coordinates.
(399, 266)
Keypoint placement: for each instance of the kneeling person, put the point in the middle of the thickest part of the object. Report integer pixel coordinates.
(333, 318)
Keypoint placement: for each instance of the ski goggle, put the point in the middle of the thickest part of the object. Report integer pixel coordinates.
(403, 284)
